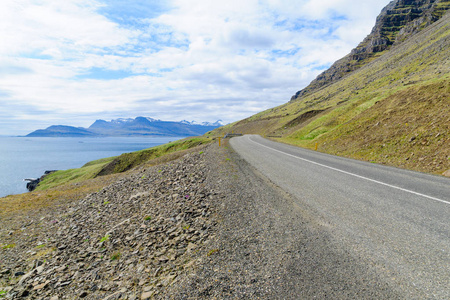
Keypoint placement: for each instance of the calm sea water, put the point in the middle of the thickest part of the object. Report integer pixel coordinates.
(22, 157)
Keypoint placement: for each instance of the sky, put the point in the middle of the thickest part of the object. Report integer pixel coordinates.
(74, 61)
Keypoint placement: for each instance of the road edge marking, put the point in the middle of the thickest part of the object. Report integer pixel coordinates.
(352, 174)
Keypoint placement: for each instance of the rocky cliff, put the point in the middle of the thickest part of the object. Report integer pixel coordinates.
(398, 20)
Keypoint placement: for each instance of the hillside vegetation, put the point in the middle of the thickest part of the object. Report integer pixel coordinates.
(393, 110)
(122, 163)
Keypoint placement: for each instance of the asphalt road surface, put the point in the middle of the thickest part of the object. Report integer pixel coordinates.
(398, 220)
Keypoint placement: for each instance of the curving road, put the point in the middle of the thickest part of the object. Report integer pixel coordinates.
(398, 220)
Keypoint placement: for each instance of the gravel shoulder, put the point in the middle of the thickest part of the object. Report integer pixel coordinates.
(206, 226)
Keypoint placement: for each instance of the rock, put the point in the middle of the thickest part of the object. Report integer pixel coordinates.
(5, 271)
(41, 286)
(62, 284)
(168, 280)
(40, 269)
(147, 295)
(191, 247)
(83, 294)
(61, 269)
(446, 173)
(25, 277)
(6, 289)
(33, 183)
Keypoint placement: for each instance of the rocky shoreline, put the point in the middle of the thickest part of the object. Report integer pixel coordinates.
(33, 183)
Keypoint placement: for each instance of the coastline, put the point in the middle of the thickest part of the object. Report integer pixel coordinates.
(22, 157)
(33, 183)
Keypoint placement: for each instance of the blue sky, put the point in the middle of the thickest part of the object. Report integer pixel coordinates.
(74, 61)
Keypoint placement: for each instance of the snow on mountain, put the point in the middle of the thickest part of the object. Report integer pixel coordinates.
(129, 120)
(188, 123)
(122, 120)
(217, 123)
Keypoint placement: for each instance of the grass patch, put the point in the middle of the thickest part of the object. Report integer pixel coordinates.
(88, 171)
(41, 253)
(105, 238)
(99, 161)
(128, 161)
(116, 256)
(211, 252)
(406, 129)
(53, 196)
(9, 246)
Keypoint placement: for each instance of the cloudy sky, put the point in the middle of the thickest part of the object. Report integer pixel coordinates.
(74, 61)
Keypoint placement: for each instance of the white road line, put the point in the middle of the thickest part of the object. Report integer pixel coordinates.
(352, 174)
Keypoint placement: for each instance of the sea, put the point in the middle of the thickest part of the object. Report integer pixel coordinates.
(24, 157)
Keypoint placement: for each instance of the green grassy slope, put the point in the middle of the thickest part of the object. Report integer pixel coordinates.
(121, 163)
(417, 70)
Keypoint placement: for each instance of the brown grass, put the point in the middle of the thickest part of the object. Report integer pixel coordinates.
(39, 200)
(410, 129)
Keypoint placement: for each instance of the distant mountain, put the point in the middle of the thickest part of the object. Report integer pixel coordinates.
(62, 131)
(140, 126)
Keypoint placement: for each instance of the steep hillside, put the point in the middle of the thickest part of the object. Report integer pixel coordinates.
(394, 109)
(396, 22)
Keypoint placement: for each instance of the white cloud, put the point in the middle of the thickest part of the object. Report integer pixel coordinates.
(55, 27)
(199, 59)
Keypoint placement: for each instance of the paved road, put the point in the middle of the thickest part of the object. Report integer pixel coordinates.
(398, 220)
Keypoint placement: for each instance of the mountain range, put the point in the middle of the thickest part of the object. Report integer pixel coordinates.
(140, 126)
(387, 101)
